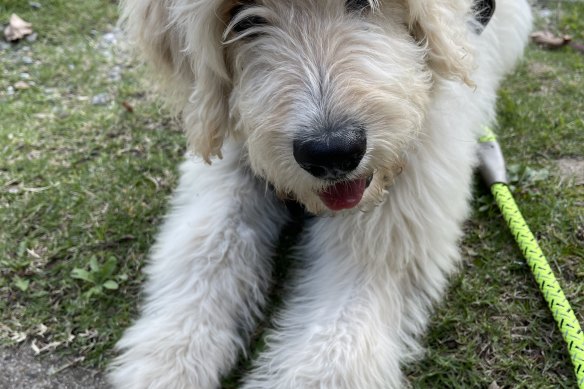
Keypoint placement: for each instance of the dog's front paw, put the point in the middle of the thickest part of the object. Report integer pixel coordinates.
(164, 358)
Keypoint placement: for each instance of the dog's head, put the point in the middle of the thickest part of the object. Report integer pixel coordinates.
(326, 95)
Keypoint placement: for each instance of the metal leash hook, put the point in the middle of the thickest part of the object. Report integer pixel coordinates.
(492, 167)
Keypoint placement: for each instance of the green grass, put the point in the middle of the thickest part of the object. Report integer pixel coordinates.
(494, 326)
(83, 187)
(80, 184)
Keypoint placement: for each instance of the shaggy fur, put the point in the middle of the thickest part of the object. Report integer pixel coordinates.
(251, 77)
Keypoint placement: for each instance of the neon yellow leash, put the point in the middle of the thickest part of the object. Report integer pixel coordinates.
(493, 170)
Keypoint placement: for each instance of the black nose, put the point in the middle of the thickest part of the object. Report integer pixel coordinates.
(333, 154)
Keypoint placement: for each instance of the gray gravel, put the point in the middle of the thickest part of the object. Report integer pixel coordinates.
(21, 369)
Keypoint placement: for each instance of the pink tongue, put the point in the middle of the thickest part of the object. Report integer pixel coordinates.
(343, 195)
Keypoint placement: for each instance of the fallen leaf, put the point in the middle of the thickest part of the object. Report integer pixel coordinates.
(127, 106)
(17, 28)
(549, 40)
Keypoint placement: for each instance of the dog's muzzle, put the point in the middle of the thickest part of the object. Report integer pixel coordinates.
(332, 154)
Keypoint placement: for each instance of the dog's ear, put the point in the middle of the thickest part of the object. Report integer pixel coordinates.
(441, 25)
(182, 41)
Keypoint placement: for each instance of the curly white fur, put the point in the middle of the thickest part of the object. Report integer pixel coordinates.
(421, 83)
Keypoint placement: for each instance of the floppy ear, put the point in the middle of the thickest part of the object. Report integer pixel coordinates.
(182, 41)
(442, 26)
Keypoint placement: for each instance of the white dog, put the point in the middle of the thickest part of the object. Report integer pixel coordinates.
(366, 113)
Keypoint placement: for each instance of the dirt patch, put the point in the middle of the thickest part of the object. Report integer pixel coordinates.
(571, 170)
(540, 69)
(21, 369)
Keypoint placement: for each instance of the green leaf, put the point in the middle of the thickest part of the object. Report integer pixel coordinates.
(21, 284)
(532, 175)
(96, 290)
(111, 285)
(514, 172)
(82, 274)
(109, 267)
(21, 249)
(93, 265)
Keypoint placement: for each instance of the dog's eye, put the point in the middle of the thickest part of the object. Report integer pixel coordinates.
(244, 22)
(357, 5)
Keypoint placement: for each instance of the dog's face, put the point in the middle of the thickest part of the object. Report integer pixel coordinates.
(327, 95)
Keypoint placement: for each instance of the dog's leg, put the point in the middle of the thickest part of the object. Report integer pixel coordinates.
(206, 279)
(366, 292)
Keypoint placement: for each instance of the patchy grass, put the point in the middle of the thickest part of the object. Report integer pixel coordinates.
(84, 183)
(494, 325)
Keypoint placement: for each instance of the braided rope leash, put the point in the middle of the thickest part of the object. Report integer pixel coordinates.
(493, 170)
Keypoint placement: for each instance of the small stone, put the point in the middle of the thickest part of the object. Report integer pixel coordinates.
(60, 112)
(109, 38)
(35, 5)
(24, 76)
(545, 13)
(21, 85)
(10, 90)
(32, 37)
(27, 60)
(100, 99)
(115, 74)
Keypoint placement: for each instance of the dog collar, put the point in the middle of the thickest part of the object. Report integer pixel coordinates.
(483, 11)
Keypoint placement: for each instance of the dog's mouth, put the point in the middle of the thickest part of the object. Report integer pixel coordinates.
(344, 194)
